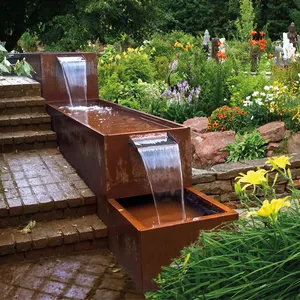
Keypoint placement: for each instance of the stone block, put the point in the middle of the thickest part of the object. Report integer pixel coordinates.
(215, 187)
(202, 176)
(23, 241)
(230, 170)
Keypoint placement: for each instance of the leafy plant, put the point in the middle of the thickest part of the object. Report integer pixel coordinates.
(246, 147)
(255, 258)
(244, 261)
(182, 102)
(21, 68)
(245, 23)
(226, 118)
(5, 66)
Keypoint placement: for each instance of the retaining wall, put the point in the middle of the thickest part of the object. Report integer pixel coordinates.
(218, 181)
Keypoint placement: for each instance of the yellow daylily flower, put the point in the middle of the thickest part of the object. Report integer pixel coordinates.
(271, 209)
(278, 162)
(118, 56)
(253, 178)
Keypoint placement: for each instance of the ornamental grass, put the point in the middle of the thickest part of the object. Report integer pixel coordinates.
(249, 260)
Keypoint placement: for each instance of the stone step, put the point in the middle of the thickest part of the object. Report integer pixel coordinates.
(26, 140)
(41, 185)
(19, 86)
(52, 238)
(19, 122)
(22, 105)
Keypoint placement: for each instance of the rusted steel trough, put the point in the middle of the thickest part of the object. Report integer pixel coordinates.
(97, 144)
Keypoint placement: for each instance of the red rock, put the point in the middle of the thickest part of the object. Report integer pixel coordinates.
(273, 131)
(207, 148)
(274, 146)
(293, 144)
(197, 124)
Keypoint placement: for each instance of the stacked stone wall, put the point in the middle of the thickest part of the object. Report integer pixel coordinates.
(218, 181)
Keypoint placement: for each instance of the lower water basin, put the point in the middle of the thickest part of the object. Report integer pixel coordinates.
(142, 208)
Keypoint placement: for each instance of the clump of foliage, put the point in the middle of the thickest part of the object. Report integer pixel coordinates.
(226, 118)
(246, 147)
(21, 68)
(183, 102)
(242, 262)
(254, 258)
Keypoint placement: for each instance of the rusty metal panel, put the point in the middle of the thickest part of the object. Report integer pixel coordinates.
(120, 171)
(49, 74)
(142, 251)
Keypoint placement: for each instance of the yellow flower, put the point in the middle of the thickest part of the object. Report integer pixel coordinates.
(130, 50)
(278, 162)
(118, 56)
(271, 209)
(111, 58)
(253, 178)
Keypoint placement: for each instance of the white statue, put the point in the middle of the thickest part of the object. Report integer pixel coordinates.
(206, 38)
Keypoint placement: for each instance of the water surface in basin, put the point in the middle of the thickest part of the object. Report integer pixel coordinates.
(143, 209)
(108, 119)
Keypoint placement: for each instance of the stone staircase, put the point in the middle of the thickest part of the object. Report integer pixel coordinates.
(38, 185)
(24, 123)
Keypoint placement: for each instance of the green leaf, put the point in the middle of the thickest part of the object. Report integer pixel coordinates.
(2, 48)
(3, 68)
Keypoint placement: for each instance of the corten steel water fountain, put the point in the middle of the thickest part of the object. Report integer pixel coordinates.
(117, 150)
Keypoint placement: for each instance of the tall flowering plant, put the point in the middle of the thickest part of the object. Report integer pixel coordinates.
(181, 93)
(262, 193)
(257, 40)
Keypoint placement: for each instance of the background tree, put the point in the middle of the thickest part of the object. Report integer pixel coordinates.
(17, 17)
(195, 16)
(275, 15)
(105, 21)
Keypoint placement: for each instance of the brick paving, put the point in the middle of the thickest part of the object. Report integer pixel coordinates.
(89, 275)
(33, 183)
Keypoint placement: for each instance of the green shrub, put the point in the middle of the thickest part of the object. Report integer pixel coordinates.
(246, 147)
(130, 103)
(246, 261)
(258, 115)
(243, 85)
(137, 66)
(212, 78)
(112, 89)
(161, 65)
(226, 118)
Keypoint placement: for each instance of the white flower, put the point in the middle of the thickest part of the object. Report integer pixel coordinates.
(247, 103)
(298, 74)
(263, 94)
(266, 88)
(252, 117)
(255, 94)
(248, 98)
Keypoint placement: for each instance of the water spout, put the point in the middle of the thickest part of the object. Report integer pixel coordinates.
(161, 158)
(74, 72)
